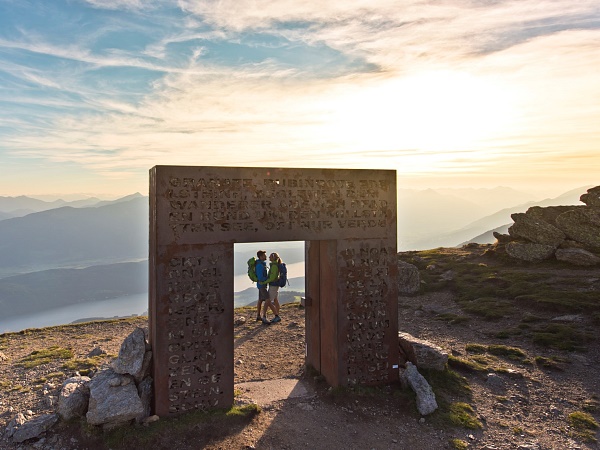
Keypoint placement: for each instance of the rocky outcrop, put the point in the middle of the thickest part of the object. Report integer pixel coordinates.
(112, 397)
(21, 429)
(409, 280)
(577, 256)
(568, 233)
(74, 398)
(422, 354)
(530, 251)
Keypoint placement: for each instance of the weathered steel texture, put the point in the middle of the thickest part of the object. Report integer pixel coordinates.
(368, 315)
(312, 333)
(347, 217)
(193, 328)
(329, 313)
(218, 204)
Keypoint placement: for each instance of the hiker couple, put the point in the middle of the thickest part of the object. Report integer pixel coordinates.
(273, 279)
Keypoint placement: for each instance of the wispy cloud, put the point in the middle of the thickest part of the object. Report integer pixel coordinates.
(424, 86)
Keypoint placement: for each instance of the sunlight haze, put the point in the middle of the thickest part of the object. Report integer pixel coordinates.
(453, 93)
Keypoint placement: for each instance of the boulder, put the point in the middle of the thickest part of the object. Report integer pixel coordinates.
(14, 424)
(114, 399)
(502, 238)
(421, 353)
(581, 225)
(549, 213)
(34, 427)
(535, 230)
(426, 403)
(145, 392)
(577, 256)
(96, 352)
(529, 251)
(74, 398)
(132, 354)
(592, 198)
(409, 280)
(495, 383)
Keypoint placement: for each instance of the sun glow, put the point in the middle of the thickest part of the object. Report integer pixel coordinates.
(435, 111)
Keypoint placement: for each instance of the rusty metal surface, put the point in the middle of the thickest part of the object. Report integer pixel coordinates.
(329, 313)
(312, 291)
(368, 316)
(192, 333)
(230, 204)
(347, 217)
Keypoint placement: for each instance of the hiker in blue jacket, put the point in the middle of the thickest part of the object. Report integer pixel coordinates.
(263, 294)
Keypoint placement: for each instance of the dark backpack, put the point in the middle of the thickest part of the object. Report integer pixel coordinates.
(283, 279)
(252, 269)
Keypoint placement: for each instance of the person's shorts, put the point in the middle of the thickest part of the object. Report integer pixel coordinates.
(263, 293)
(273, 291)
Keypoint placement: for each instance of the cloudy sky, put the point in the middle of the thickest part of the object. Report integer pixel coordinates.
(480, 93)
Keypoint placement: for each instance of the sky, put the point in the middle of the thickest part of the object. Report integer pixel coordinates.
(450, 93)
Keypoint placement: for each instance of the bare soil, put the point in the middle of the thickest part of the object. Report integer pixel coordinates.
(525, 405)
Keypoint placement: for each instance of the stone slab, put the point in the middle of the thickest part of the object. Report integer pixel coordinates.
(266, 392)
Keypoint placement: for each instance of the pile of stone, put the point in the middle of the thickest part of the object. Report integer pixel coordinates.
(116, 395)
(417, 353)
(567, 233)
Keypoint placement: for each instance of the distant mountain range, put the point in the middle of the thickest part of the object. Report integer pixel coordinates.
(23, 205)
(101, 235)
(431, 219)
(75, 237)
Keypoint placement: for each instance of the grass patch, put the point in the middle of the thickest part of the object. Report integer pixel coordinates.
(466, 364)
(5, 384)
(83, 365)
(552, 363)
(462, 415)
(49, 377)
(219, 422)
(447, 383)
(39, 357)
(476, 348)
(458, 444)
(584, 426)
(561, 336)
(509, 352)
(452, 319)
(490, 308)
(19, 388)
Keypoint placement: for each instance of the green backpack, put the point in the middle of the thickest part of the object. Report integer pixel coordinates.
(252, 269)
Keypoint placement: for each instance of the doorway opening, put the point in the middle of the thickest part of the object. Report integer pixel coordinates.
(276, 351)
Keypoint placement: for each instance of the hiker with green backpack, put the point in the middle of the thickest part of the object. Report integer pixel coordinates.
(275, 278)
(257, 271)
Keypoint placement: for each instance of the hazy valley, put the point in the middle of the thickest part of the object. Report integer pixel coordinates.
(57, 253)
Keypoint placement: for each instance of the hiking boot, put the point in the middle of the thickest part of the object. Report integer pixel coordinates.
(276, 319)
(258, 318)
(265, 321)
